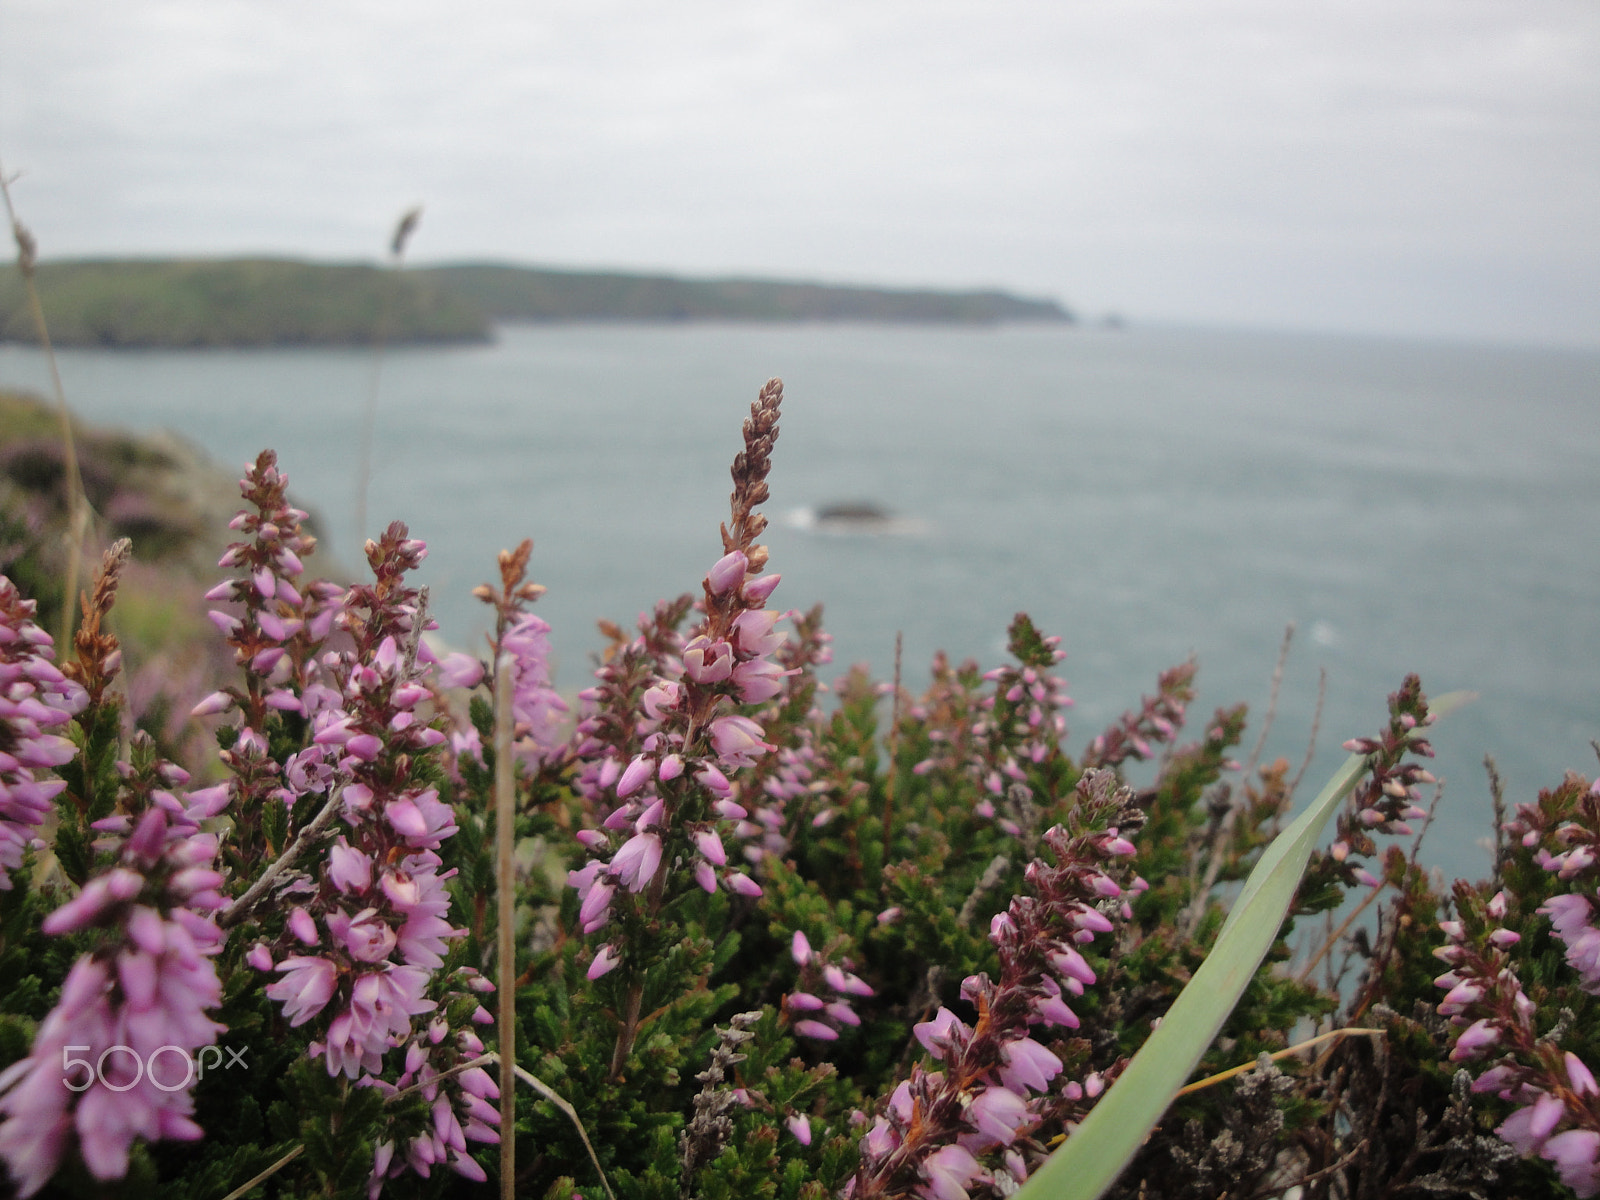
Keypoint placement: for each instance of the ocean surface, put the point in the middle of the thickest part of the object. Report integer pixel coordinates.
(1150, 494)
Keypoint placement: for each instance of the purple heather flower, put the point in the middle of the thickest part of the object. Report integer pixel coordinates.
(800, 1127)
(712, 850)
(303, 927)
(707, 662)
(757, 591)
(159, 960)
(1579, 1076)
(306, 987)
(381, 1005)
(457, 670)
(536, 708)
(948, 1171)
(737, 741)
(34, 697)
(940, 1034)
(638, 773)
(1576, 1155)
(726, 572)
(1528, 1128)
(605, 961)
(999, 1114)
(1475, 1039)
(635, 864)
(1027, 1064)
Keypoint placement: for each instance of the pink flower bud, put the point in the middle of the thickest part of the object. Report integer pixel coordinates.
(604, 962)
(800, 1127)
(728, 571)
(757, 590)
(303, 927)
(639, 770)
(711, 848)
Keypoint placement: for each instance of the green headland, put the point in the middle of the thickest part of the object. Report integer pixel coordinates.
(283, 302)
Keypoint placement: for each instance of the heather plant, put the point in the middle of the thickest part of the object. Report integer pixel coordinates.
(752, 932)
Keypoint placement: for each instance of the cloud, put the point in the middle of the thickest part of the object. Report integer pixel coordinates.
(1115, 155)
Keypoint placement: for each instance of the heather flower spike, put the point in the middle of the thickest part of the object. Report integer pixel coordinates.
(36, 701)
(132, 1011)
(670, 761)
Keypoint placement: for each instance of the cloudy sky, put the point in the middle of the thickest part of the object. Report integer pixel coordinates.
(1418, 167)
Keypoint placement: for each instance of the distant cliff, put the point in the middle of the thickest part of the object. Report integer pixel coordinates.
(182, 303)
(235, 302)
(510, 293)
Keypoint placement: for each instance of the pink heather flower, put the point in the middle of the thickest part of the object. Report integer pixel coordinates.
(800, 1127)
(364, 937)
(757, 591)
(1576, 1155)
(706, 662)
(1027, 1064)
(605, 961)
(800, 948)
(303, 927)
(349, 869)
(1475, 1039)
(378, 1017)
(635, 777)
(635, 864)
(140, 1040)
(458, 670)
(259, 957)
(215, 703)
(1528, 1128)
(417, 891)
(727, 572)
(1579, 1075)
(34, 697)
(306, 987)
(536, 708)
(421, 819)
(759, 679)
(815, 1030)
(741, 883)
(711, 848)
(737, 741)
(998, 1114)
(940, 1034)
(843, 1013)
(753, 632)
(948, 1171)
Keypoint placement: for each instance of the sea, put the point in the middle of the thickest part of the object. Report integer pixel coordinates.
(1150, 494)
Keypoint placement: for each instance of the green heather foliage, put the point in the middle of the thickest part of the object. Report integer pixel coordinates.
(773, 938)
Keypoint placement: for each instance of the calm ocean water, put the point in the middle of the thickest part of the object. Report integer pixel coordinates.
(1149, 494)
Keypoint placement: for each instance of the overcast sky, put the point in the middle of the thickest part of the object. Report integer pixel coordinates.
(1394, 166)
